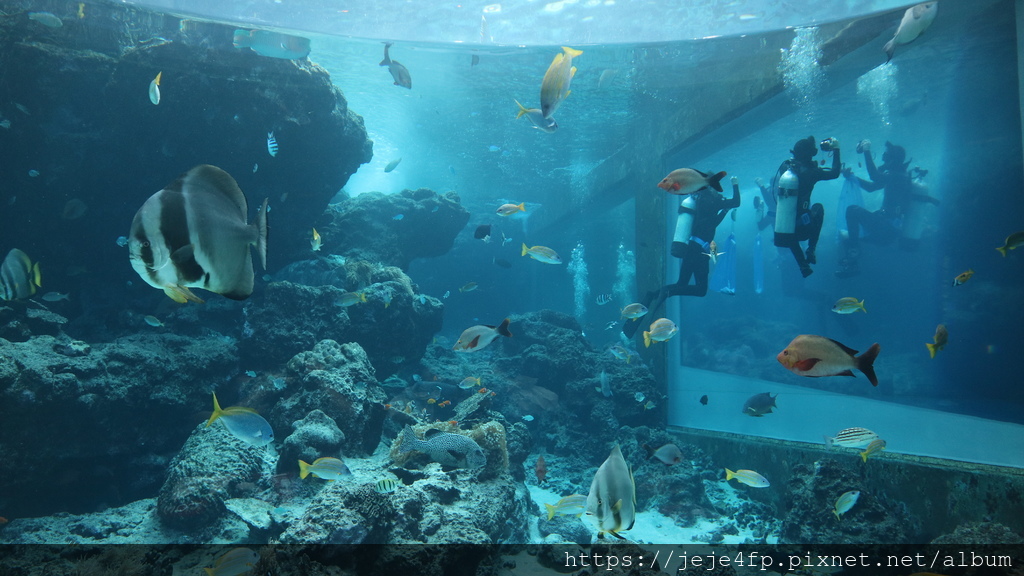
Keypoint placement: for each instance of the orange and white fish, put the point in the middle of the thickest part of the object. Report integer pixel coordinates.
(814, 356)
(661, 330)
(713, 252)
(687, 181)
(510, 209)
(963, 277)
(478, 337)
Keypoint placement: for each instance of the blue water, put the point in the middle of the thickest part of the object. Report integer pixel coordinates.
(951, 99)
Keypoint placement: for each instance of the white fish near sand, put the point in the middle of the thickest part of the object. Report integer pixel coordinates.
(916, 20)
(612, 498)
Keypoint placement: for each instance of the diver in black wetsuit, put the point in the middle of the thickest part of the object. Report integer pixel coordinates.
(885, 225)
(796, 219)
(700, 214)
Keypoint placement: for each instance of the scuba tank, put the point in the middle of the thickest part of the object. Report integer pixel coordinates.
(786, 190)
(684, 223)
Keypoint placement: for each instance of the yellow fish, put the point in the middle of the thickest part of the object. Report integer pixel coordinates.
(316, 242)
(81, 9)
(154, 89)
(555, 86)
(877, 445)
(1012, 242)
(963, 277)
(941, 338)
(661, 330)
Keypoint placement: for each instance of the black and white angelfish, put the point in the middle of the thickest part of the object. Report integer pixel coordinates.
(194, 234)
(612, 498)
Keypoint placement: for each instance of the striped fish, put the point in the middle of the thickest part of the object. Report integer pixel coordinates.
(845, 502)
(193, 234)
(612, 498)
(271, 144)
(852, 438)
(19, 278)
(386, 486)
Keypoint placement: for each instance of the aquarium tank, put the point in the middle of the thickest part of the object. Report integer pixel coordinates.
(569, 286)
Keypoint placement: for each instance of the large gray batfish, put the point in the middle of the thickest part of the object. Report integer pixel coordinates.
(916, 20)
(194, 234)
(612, 498)
(449, 450)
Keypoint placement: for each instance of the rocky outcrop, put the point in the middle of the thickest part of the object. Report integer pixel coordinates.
(393, 326)
(104, 138)
(394, 228)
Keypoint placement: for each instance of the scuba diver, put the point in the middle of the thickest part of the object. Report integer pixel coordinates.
(901, 214)
(700, 214)
(796, 220)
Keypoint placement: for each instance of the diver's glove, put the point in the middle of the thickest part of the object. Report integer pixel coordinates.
(735, 181)
(833, 143)
(864, 146)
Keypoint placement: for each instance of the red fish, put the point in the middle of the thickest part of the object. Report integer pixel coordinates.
(687, 181)
(541, 470)
(814, 356)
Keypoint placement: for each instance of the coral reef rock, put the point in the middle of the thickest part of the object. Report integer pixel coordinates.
(218, 104)
(99, 409)
(814, 490)
(315, 435)
(338, 380)
(206, 472)
(290, 318)
(394, 228)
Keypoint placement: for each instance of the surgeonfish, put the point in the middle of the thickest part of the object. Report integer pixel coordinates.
(509, 209)
(392, 165)
(46, 19)
(1013, 241)
(154, 89)
(398, 72)
(687, 181)
(272, 146)
(234, 562)
(915, 20)
(554, 88)
(814, 356)
(660, 330)
(963, 277)
(468, 287)
(316, 242)
(245, 423)
(760, 404)
(478, 337)
(845, 502)
(19, 277)
(542, 254)
(612, 498)
(572, 505)
(877, 445)
(153, 321)
(193, 234)
(634, 311)
(56, 297)
(941, 338)
(748, 477)
(536, 117)
(327, 468)
(272, 44)
(852, 438)
(848, 305)
(445, 448)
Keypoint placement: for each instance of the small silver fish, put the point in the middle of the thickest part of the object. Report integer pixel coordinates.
(55, 296)
(271, 144)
